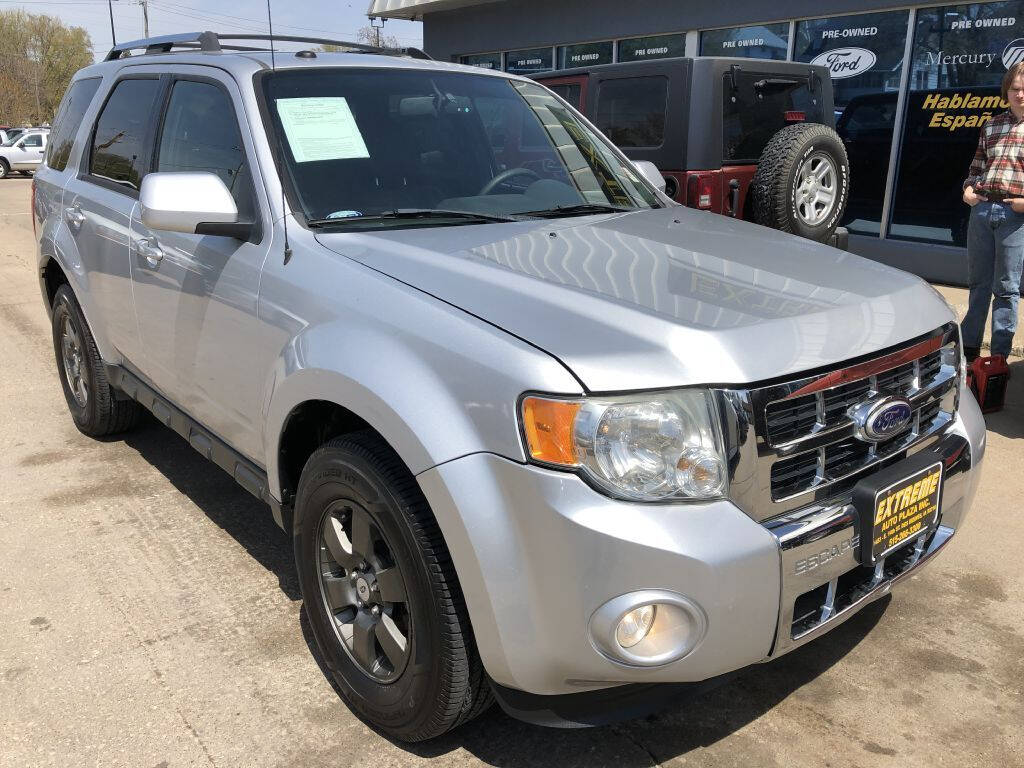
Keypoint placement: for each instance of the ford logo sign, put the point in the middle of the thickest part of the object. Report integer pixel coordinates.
(881, 419)
(846, 62)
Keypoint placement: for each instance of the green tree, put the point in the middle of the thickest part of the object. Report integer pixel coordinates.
(39, 56)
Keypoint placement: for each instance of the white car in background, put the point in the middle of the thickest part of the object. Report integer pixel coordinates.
(24, 153)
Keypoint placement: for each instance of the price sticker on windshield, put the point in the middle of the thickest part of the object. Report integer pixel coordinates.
(322, 128)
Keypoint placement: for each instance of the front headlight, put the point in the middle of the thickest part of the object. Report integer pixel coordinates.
(650, 447)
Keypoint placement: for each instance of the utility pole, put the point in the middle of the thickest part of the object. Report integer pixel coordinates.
(145, 16)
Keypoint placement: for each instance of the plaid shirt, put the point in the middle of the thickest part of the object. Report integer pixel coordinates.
(998, 164)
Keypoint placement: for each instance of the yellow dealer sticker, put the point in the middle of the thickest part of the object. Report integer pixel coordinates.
(905, 510)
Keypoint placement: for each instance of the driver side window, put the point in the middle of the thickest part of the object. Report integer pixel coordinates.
(34, 141)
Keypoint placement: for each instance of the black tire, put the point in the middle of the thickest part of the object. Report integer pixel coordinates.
(442, 683)
(777, 187)
(100, 412)
(5, 169)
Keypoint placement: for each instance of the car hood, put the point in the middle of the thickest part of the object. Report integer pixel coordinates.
(660, 298)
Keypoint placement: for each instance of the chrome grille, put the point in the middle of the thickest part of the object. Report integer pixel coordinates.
(805, 446)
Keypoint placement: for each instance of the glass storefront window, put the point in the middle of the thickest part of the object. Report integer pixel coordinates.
(864, 54)
(584, 55)
(959, 58)
(483, 60)
(655, 47)
(528, 61)
(764, 41)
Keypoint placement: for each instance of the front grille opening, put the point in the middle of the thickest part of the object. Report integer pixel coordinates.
(929, 413)
(839, 400)
(807, 609)
(898, 381)
(930, 367)
(794, 474)
(845, 457)
(787, 419)
(850, 587)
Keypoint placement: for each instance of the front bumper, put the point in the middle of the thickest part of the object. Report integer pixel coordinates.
(538, 552)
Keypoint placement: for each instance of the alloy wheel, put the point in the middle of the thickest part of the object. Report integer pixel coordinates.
(71, 356)
(364, 592)
(815, 194)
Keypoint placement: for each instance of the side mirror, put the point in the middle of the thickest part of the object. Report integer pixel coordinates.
(650, 172)
(193, 203)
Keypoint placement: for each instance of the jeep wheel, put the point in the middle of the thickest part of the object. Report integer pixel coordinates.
(94, 405)
(802, 182)
(5, 169)
(381, 593)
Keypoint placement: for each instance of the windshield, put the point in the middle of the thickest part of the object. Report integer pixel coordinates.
(363, 145)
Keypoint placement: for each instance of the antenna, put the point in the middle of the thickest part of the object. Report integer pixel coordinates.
(284, 204)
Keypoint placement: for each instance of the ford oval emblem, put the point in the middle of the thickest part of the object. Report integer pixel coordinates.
(846, 62)
(883, 418)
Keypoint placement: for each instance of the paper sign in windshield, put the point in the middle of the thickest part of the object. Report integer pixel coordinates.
(321, 129)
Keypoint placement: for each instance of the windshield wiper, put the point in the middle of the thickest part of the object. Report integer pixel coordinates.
(576, 210)
(409, 213)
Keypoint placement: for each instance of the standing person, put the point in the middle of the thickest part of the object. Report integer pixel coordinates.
(995, 236)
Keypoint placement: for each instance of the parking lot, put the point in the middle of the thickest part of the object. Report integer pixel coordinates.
(151, 618)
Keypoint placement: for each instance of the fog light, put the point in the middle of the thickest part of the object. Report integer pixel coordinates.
(635, 625)
(647, 628)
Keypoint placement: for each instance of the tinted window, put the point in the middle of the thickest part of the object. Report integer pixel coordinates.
(958, 59)
(656, 47)
(764, 41)
(631, 111)
(756, 109)
(69, 117)
(483, 60)
(117, 144)
(584, 55)
(200, 133)
(35, 140)
(528, 61)
(569, 91)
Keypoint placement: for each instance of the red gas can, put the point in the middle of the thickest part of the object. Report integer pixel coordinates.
(987, 377)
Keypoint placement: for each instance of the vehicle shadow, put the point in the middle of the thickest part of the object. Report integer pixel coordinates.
(245, 518)
(1009, 422)
(495, 738)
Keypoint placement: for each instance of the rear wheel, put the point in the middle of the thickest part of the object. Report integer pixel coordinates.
(94, 405)
(802, 182)
(5, 169)
(381, 592)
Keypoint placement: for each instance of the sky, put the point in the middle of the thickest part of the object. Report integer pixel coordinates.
(305, 18)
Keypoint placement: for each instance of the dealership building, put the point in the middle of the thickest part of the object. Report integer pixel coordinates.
(912, 84)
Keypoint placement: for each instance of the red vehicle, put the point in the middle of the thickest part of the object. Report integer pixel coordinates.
(749, 138)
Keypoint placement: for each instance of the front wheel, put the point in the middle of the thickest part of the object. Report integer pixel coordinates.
(381, 593)
(5, 169)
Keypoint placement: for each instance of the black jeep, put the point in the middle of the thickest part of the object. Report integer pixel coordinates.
(748, 138)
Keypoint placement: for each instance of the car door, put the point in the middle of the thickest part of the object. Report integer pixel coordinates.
(98, 204)
(196, 295)
(27, 154)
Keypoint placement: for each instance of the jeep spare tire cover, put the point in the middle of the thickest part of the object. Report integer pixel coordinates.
(802, 181)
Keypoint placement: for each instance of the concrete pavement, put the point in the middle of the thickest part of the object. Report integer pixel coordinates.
(150, 617)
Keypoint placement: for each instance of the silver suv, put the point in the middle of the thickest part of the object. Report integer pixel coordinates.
(538, 433)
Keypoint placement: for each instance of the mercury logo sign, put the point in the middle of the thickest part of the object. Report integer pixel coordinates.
(846, 62)
(1013, 52)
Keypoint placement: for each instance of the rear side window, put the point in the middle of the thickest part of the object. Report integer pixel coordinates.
(200, 133)
(631, 111)
(69, 117)
(569, 91)
(120, 135)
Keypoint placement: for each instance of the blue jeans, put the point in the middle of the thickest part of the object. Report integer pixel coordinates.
(995, 258)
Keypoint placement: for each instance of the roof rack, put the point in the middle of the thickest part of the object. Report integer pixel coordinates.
(212, 42)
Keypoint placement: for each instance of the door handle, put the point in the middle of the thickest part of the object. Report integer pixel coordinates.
(74, 216)
(150, 250)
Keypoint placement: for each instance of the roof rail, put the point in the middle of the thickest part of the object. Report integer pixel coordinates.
(211, 42)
